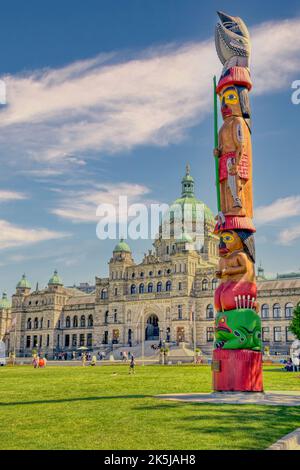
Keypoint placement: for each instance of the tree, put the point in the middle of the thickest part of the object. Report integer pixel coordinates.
(295, 323)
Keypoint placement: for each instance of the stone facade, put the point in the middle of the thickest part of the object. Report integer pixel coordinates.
(161, 298)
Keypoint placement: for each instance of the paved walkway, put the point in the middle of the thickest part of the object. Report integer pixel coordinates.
(276, 398)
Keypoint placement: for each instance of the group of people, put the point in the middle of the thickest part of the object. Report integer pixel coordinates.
(292, 364)
(39, 362)
(87, 357)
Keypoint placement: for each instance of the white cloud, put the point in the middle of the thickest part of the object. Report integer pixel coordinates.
(282, 208)
(81, 206)
(7, 195)
(13, 236)
(289, 235)
(152, 98)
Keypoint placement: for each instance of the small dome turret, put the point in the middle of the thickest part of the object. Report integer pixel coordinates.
(122, 247)
(24, 283)
(55, 280)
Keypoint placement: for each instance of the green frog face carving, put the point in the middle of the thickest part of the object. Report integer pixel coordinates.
(238, 329)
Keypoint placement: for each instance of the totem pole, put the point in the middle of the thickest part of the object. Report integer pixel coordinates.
(237, 356)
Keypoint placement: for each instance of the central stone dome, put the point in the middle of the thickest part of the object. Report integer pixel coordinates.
(186, 210)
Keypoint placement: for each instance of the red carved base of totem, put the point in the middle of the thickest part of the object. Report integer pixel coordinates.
(237, 370)
(233, 222)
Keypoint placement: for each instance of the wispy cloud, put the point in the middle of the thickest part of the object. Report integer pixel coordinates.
(282, 208)
(150, 98)
(7, 195)
(81, 206)
(13, 236)
(289, 235)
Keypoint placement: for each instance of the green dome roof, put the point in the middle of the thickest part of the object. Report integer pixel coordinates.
(24, 283)
(188, 201)
(193, 204)
(185, 238)
(4, 302)
(55, 280)
(122, 246)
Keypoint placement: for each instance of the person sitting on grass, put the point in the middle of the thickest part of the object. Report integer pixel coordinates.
(289, 365)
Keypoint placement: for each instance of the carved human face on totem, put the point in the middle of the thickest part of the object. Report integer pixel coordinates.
(229, 243)
(230, 102)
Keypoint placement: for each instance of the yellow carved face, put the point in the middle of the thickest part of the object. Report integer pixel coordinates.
(229, 242)
(230, 102)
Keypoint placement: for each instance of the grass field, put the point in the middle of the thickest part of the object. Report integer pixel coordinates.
(105, 408)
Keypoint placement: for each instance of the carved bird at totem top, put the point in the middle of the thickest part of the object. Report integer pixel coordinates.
(232, 41)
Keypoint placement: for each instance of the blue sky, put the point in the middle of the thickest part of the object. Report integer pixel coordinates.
(107, 97)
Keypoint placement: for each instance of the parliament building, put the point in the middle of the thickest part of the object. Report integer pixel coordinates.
(167, 297)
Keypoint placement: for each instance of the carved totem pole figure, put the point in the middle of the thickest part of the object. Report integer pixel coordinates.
(237, 326)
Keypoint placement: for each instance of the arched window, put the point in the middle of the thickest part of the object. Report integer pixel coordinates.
(75, 321)
(276, 311)
(133, 289)
(29, 324)
(82, 321)
(288, 310)
(168, 286)
(141, 288)
(106, 317)
(104, 294)
(115, 316)
(68, 322)
(150, 287)
(265, 311)
(214, 284)
(90, 320)
(210, 311)
(41, 322)
(205, 284)
(159, 287)
(36, 322)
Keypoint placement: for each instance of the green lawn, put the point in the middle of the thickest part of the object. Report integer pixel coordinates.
(105, 408)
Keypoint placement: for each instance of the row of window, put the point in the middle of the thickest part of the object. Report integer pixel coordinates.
(159, 288)
(47, 301)
(83, 322)
(277, 334)
(37, 341)
(141, 289)
(116, 275)
(288, 310)
(73, 340)
(38, 324)
(77, 340)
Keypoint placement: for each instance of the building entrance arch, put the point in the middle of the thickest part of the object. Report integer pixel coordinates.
(152, 328)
